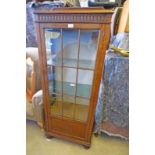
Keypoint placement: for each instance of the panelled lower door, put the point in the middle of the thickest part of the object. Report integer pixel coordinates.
(70, 57)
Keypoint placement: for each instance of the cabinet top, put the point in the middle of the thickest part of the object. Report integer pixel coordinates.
(96, 10)
(73, 15)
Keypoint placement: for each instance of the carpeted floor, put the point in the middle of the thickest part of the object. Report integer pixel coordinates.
(37, 144)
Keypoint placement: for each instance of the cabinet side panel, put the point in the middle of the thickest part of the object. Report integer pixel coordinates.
(42, 71)
(103, 44)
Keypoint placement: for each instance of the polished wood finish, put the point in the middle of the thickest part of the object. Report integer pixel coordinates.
(74, 15)
(75, 10)
(82, 19)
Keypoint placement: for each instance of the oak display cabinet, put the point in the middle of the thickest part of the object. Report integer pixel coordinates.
(72, 45)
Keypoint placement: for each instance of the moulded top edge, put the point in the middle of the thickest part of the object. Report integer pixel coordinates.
(97, 10)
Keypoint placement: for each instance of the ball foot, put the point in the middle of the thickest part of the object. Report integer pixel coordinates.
(86, 146)
(96, 134)
(48, 136)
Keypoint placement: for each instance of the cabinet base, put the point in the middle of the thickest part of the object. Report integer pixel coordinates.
(50, 135)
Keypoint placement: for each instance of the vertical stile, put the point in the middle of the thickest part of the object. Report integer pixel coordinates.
(62, 70)
(77, 72)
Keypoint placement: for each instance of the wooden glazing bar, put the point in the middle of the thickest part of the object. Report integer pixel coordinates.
(62, 69)
(77, 72)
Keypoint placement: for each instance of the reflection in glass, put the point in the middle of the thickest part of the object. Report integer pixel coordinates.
(85, 78)
(88, 48)
(56, 104)
(70, 47)
(54, 77)
(81, 111)
(69, 75)
(69, 88)
(53, 46)
(69, 81)
(55, 89)
(68, 106)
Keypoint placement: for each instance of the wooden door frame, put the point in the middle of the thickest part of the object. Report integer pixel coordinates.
(103, 42)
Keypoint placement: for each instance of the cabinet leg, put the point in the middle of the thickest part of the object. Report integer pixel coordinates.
(86, 146)
(48, 136)
(96, 134)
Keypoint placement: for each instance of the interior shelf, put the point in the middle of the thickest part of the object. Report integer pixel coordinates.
(83, 90)
(72, 63)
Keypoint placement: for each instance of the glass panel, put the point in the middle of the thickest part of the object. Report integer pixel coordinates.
(53, 46)
(85, 78)
(68, 106)
(54, 77)
(70, 47)
(81, 111)
(54, 59)
(88, 48)
(55, 89)
(56, 104)
(63, 77)
(69, 81)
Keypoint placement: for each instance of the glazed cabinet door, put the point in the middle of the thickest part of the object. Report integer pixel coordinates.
(70, 57)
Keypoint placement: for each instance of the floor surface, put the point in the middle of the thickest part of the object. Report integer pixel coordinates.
(37, 144)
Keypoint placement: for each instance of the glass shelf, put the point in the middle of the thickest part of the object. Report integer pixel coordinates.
(83, 90)
(72, 63)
